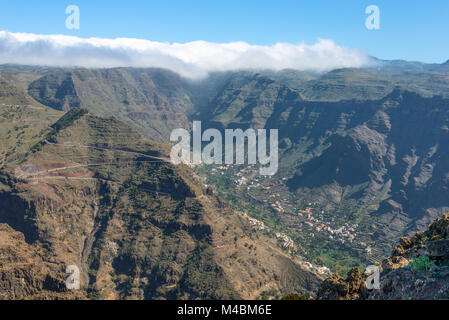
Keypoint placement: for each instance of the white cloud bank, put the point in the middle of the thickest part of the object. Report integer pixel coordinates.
(193, 59)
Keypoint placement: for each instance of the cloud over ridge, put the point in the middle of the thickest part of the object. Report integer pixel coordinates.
(194, 59)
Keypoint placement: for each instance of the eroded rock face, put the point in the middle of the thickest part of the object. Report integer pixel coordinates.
(24, 274)
(338, 288)
(156, 100)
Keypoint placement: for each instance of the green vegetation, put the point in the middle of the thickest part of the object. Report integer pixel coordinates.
(269, 294)
(68, 119)
(204, 279)
(422, 264)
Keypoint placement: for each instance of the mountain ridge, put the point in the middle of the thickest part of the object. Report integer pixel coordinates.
(364, 147)
(136, 226)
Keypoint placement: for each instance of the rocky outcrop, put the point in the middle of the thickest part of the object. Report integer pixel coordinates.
(338, 288)
(418, 269)
(25, 275)
(419, 266)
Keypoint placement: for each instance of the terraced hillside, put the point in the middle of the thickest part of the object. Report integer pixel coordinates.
(151, 101)
(22, 120)
(362, 158)
(94, 193)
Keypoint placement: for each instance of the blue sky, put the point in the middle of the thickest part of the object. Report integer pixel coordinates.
(411, 30)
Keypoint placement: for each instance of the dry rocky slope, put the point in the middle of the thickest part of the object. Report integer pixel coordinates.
(92, 192)
(418, 269)
(25, 273)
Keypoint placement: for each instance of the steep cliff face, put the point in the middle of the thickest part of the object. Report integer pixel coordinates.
(57, 90)
(24, 273)
(246, 101)
(380, 164)
(95, 194)
(393, 148)
(346, 84)
(152, 101)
